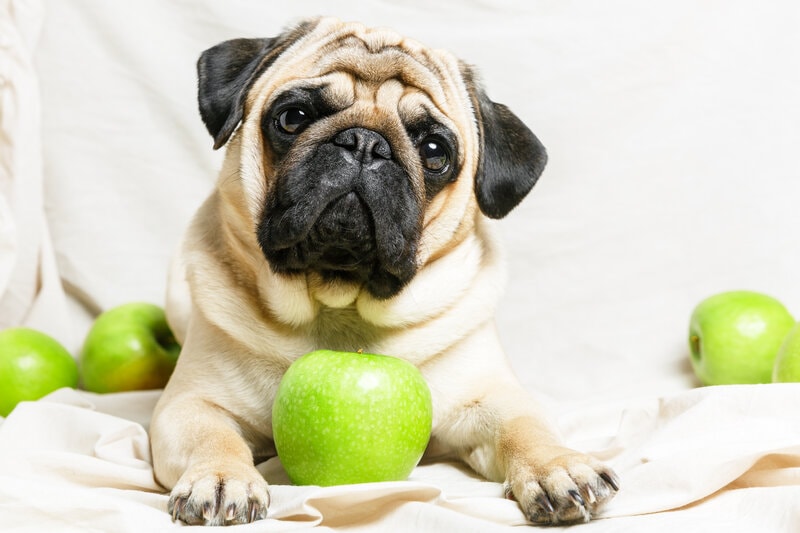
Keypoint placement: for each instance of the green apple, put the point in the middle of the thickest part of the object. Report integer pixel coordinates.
(343, 417)
(787, 363)
(734, 337)
(32, 365)
(129, 347)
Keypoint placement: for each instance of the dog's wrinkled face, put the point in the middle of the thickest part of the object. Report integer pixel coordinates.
(355, 166)
(363, 149)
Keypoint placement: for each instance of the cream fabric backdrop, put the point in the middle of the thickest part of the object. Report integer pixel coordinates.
(672, 131)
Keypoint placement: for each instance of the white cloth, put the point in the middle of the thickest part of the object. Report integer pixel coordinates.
(713, 459)
(672, 131)
(30, 289)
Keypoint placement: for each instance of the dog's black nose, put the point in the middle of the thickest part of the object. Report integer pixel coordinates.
(364, 144)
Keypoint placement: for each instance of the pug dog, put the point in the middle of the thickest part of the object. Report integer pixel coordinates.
(352, 213)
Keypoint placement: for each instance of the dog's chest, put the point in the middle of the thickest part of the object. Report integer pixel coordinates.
(342, 329)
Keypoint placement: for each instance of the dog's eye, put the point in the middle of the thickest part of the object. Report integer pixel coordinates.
(293, 120)
(435, 156)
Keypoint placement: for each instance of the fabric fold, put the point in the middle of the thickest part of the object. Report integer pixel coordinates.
(692, 454)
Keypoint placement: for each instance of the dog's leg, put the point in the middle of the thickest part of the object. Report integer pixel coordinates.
(199, 452)
(553, 484)
(503, 438)
(489, 421)
(201, 439)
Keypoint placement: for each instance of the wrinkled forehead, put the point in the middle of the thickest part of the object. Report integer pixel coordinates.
(354, 63)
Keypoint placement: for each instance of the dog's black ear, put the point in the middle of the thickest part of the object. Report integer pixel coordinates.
(226, 73)
(511, 157)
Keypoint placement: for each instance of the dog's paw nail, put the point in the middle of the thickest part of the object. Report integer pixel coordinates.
(176, 507)
(209, 511)
(577, 498)
(544, 502)
(611, 479)
(254, 512)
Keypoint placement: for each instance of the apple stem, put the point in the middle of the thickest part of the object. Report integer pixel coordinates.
(694, 340)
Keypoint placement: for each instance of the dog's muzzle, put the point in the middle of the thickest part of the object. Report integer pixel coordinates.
(348, 211)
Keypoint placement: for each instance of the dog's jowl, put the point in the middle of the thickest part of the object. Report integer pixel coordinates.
(351, 213)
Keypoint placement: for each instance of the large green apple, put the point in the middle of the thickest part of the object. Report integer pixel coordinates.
(787, 363)
(129, 347)
(343, 417)
(734, 337)
(32, 365)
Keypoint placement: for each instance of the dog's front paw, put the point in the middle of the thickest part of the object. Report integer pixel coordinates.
(217, 495)
(571, 487)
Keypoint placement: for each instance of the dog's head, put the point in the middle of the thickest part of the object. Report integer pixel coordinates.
(361, 154)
